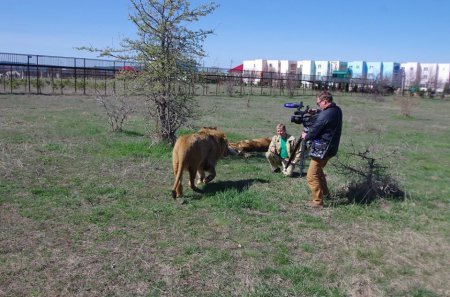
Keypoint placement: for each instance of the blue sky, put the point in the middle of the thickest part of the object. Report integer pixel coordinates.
(346, 30)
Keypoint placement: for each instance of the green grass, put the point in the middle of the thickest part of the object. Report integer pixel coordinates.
(85, 211)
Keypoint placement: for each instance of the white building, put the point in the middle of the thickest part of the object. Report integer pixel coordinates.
(428, 76)
(288, 66)
(374, 70)
(273, 66)
(273, 71)
(423, 75)
(443, 77)
(288, 70)
(253, 70)
(358, 69)
(411, 71)
(306, 69)
(392, 74)
(322, 69)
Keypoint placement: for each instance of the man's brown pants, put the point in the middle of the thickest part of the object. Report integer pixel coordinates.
(317, 181)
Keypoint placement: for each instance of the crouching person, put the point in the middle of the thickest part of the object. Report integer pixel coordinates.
(279, 151)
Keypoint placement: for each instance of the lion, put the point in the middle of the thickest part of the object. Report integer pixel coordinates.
(197, 153)
(252, 145)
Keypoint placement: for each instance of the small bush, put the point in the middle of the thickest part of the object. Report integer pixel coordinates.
(406, 105)
(117, 109)
(368, 175)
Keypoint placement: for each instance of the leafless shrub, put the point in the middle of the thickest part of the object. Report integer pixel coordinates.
(369, 175)
(406, 104)
(229, 83)
(117, 109)
(376, 97)
(291, 85)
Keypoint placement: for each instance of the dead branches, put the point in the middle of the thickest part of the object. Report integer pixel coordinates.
(369, 174)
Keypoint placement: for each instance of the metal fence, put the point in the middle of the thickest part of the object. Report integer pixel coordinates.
(37, 74)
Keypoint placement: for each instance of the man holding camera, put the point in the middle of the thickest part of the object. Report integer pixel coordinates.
(325, 133)
(280, 149)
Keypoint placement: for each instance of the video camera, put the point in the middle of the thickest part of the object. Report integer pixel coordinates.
(305, 116)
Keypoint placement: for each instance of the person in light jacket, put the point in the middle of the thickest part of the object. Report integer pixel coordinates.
(279, 151)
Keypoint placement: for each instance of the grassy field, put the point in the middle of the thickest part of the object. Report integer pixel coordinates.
(88, 212)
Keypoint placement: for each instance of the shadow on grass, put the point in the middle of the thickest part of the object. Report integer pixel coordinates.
(248, 156)
(255, 155)
(296, 174)
(239, 185)
(132, 133)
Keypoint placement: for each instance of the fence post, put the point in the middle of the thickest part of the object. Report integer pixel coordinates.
(38, 86)
(124, 79)
(10, 78)
(242, 83)
(261, 83)
(217, 87)
(75, 72)
(29, 75)
(104, 74)
(114, 77)
(84, 76)
(53, 81)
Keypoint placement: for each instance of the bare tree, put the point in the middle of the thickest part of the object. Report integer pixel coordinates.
(167, 50)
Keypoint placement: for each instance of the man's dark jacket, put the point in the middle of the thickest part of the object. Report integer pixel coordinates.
(327, 126)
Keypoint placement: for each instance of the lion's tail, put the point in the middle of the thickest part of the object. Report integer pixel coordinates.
(178, 172)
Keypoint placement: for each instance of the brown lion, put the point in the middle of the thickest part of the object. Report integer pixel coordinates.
(197, 153)
(252, 145)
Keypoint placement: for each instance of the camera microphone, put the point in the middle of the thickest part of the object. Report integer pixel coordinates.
(291, 105)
